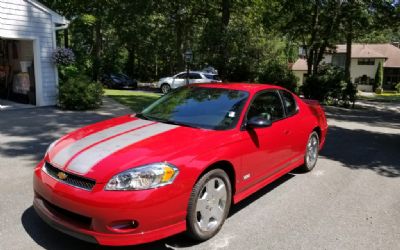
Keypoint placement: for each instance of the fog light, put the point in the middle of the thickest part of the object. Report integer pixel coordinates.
(124, 226)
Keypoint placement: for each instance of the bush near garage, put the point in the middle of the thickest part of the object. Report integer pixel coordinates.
(79, 93)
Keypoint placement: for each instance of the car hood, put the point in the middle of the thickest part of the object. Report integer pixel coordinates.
(101, 150)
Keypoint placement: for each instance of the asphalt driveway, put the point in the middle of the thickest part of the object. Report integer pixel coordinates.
(350, 201)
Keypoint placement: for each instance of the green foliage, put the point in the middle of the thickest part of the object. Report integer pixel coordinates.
(67, 72)
(379, 90)
(79, 93)
(397, 87)
(327, 85)
(279, 74)
(378, 76)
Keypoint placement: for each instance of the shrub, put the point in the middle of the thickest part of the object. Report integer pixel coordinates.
(378, 90)
(279, 74)
(378, 77)
(327, 85)
(397, 87)
(78, 93)
(67, 72)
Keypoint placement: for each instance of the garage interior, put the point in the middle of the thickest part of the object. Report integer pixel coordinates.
(17, 74)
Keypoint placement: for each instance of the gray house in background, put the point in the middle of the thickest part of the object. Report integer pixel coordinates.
(27, 41)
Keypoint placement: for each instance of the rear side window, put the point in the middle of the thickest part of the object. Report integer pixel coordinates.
(289, 102)
(211, 77)
(194, 76)
(267, 105)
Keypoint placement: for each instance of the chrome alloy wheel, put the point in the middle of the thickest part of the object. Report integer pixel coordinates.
(312, 150)
(211, 203)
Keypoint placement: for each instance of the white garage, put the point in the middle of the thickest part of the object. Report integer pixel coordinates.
(27, 42)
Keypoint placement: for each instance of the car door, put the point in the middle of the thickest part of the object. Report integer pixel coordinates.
(299, 128)
(195, 78)
(179, 81)
(265, 150)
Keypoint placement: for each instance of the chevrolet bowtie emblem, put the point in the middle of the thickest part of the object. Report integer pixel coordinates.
(62, 175)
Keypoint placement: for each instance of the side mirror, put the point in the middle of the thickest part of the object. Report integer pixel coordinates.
(258, 122)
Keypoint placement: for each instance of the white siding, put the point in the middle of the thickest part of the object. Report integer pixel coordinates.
(360, 70)
(300, 76)
(20, 20)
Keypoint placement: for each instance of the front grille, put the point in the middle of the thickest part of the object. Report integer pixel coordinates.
(82, 221)
(70, 179)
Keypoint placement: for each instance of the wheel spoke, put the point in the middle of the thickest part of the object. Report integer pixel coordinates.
(217, 213)
(201, 205)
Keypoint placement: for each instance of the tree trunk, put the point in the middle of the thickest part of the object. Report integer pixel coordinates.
(349, 40)
(223, 48)
(130, 66)
(66, 38)
(179, 42)
(97, 51)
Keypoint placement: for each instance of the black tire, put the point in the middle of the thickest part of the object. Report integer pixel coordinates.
(165, 88)
(193, 219)
(310, 162)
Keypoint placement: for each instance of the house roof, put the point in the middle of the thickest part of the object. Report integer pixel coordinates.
(384, 50)
(300, 65)
(56, 18)
(389, 52)
(362, 50)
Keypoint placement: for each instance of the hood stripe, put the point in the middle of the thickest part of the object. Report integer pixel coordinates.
(65, 154)
(89, 158)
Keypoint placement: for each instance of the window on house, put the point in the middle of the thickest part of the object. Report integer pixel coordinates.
(366, 61)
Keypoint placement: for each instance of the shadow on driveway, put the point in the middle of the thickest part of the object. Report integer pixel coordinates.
(28, 132)
(362, 149)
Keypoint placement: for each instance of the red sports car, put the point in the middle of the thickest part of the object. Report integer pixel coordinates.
(178, 165)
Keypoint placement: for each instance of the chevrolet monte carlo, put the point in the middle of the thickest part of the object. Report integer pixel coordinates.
(178, 165)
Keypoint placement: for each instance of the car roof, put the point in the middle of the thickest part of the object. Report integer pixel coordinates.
(198, 72)
(249, 87)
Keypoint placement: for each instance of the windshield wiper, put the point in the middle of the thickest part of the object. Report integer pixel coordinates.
(152, 118)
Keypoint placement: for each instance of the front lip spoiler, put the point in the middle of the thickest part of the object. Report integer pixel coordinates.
(38, 205)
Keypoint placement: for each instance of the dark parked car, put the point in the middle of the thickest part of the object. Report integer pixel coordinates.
(118, 81)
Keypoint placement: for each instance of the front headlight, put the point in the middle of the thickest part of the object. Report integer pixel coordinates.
(149, 176)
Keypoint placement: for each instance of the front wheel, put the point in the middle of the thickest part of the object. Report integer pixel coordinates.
(209, 205)
(165, 88)
(312, 150)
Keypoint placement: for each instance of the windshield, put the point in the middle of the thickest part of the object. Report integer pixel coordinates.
(202, 107)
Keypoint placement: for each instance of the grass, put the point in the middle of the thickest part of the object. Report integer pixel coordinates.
(136, 100)
(384, 97)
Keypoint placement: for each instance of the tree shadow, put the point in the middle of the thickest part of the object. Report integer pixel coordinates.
(28, 132)
(370, 117)
(362, 149)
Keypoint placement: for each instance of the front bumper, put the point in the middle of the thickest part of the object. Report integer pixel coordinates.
(103, 217)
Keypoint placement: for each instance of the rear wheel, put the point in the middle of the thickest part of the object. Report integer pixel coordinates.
(165, 88)
(312, 150)
(209, 205)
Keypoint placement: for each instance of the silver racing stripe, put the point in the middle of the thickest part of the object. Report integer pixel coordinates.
(89, 158)
(62, 157)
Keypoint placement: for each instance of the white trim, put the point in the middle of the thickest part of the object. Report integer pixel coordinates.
(54, 65)
(38, 72)
(56, 18)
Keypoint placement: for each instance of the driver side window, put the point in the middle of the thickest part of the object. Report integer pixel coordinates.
(267, 105)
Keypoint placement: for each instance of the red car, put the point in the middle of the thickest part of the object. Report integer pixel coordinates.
(177, 166)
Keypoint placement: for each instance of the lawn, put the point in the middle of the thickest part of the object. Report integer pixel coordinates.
(136, 100)
(384, 97)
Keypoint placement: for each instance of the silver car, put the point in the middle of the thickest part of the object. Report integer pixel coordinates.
(179, 80)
